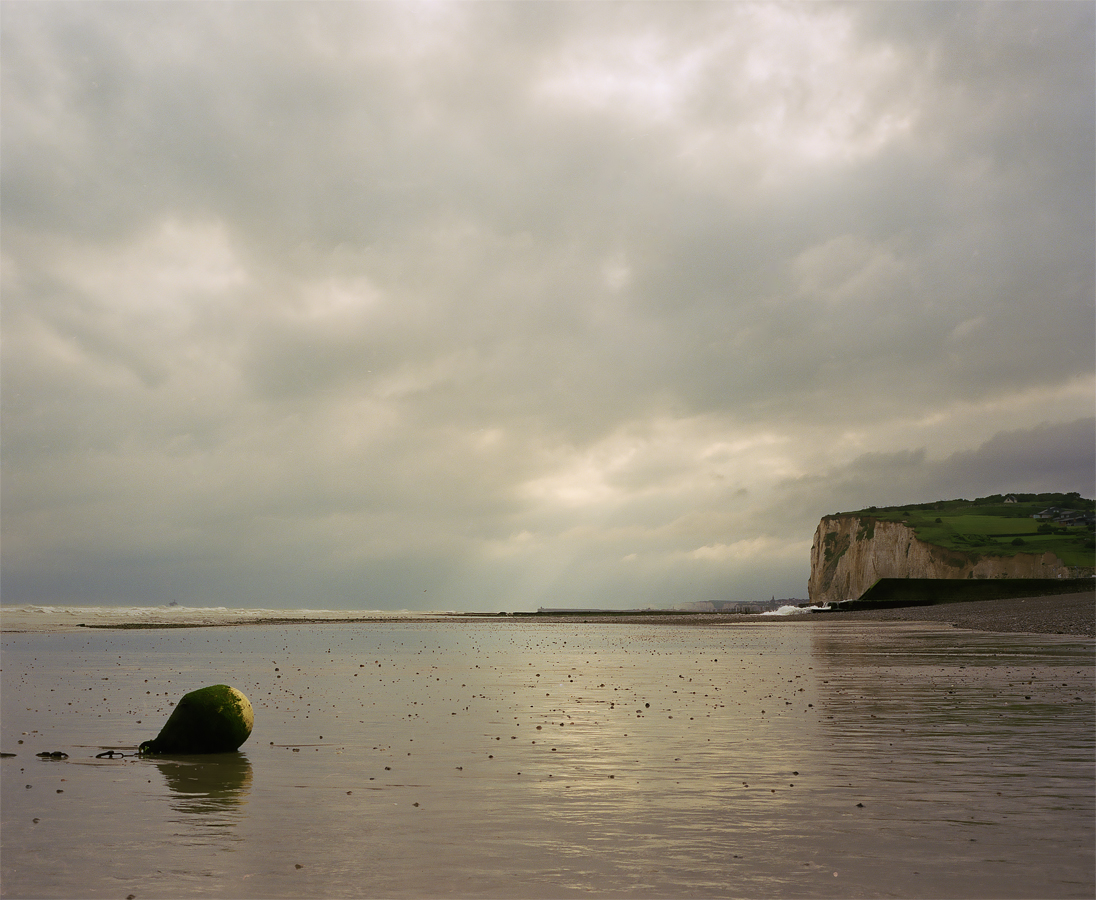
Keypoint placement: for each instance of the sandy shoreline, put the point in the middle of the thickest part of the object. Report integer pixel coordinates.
(1066, 614)
(1072, 614)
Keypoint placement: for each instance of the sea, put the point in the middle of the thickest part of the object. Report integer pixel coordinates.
(410, 755)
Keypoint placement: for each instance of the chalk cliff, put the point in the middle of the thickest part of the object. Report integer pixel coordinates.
(850, 552)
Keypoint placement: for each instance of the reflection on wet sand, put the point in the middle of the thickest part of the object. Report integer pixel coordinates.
(533, 760)
(959, 743)
(214, 786)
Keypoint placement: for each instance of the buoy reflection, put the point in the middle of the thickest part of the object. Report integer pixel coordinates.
(213, 785)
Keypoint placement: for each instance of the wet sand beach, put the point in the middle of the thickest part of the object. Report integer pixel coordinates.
(804, 756)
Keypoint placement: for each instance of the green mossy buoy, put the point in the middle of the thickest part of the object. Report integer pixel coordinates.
(215, 719)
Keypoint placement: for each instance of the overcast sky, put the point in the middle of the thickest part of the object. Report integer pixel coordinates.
(490, 306)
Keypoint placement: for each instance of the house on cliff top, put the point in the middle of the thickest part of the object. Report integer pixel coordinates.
(1065, 516)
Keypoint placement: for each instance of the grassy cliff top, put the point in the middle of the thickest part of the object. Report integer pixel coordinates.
(990, 526)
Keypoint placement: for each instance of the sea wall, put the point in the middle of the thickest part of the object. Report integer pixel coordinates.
(850, 553)
(888, 593)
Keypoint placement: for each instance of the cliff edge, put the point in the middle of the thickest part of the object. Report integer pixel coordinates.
(851, 551)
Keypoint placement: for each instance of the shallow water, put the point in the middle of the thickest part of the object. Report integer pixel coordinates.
(532, 759)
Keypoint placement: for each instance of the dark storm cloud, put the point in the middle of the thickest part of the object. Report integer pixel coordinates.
(1042, 459)
(529, 302)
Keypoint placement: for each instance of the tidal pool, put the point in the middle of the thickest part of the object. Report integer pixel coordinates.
(516, 758)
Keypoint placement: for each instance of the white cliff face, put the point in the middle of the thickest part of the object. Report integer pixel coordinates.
(850, 553)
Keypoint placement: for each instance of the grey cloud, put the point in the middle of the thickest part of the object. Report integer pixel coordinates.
(1052, 457)
(392, 285)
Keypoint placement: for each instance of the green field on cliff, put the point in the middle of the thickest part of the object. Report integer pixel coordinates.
(989, 526)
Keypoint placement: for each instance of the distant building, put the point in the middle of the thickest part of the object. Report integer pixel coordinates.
(1066, 516)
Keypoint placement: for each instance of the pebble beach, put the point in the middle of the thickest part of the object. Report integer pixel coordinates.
(1064, 614)
(1072, 614)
